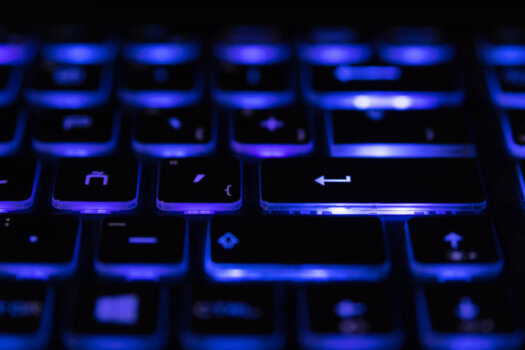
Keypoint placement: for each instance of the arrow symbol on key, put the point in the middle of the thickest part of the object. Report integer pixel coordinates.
(321, 180)
(453, 238)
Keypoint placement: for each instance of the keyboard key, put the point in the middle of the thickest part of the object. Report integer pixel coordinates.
(150, 248)
(26, 315)
(453, 248)
(118, 316)
(39, 247)
(503, 46)
(513, 125)
(264, 248)
(411, 133)
(366, 186)
(348, 317)
(162, 68)
(18, 183)
(181, 132)
(12, 130)
(232, 317)
(15, 52)
(282, 132)
(76, 133)
(97, 185)
(252, 69)
(199, 185)
(467, 317)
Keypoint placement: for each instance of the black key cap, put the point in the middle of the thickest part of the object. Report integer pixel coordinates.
(61, 85)
(18, 183)
(467, 316)
(318, 248)
(26, 315)
(123, 315)
(412, 133)
(199, 185)
(453, 248)
(356, 186)
(253, 69)
(39, 247)
(150, 248)
(181, 132)
(76, 133)
(236, 317)
(348, 317)
(15, 53)
(513, 125)
(12, 131)
(97, 185)
(281, 132)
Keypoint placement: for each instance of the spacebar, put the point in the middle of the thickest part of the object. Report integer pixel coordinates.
(377, 185)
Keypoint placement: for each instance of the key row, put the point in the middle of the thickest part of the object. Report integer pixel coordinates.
(252, 68)
(252, 317)
(404, 186)
(280, 132)
(251, 248)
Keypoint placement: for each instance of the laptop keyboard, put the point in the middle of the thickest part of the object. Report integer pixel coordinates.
(259, 188)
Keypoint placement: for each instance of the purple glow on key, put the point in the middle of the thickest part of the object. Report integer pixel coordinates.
(334, 54)
(253, 54)
(253, 100)
(417, 55)
(504, 55)
(162, 54)
(12, 54)
(79, 53)
(142, 240)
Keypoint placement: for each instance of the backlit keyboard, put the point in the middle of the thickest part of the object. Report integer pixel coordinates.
(256, 187)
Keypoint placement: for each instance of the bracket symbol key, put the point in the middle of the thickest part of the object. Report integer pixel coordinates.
(97, 175)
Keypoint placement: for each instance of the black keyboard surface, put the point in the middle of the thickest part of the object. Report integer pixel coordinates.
(262, 187)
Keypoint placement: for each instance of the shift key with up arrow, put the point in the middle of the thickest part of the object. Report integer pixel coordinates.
(405, 186)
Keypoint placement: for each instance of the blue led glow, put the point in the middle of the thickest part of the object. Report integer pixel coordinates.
(337, 341)
(99, 207)
(503, 55)
(80, 149)
(231, 342)
(132, 341)
(348, 73)
(252, 99)
(13, 54)
(458, 341)
(11, 146)
(43, 270)
(198, 208)
(74, 99)
(417, 55)
(513, 148)
(232, 272)
(162, 54)
(501, 98)
(11, 206)
(253, 54)
(145, 271)
(334, 54)
(452, 271)
(40, 338)
(271, 150)
(80, 53)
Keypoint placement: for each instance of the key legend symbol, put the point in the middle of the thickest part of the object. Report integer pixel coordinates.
(175, 123)
(75, 121)
(321, 180)
(228, 240)
(96, 175)
(347, 308)
(466, 309)
(271, 124)
(3, 182)
(198, 178)
(453, 238)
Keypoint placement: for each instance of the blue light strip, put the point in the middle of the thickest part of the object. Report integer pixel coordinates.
(99, 207)
(80, 53)
(402, 150)
(253, 54)
(39, 339)
(358, 341)
(162, 53)
(252, 99)
(14, 54)
(80, 149)
(502, 55)
(44, 270)
(13, 206)
(156, 340)
(271, 150)
(334, 54)
(452, 271)
(231, 342)
(513, 148)
(232, 272)
(457, 341)
(417, 55)
(11, 146)
(63, 99)
(146, 271)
